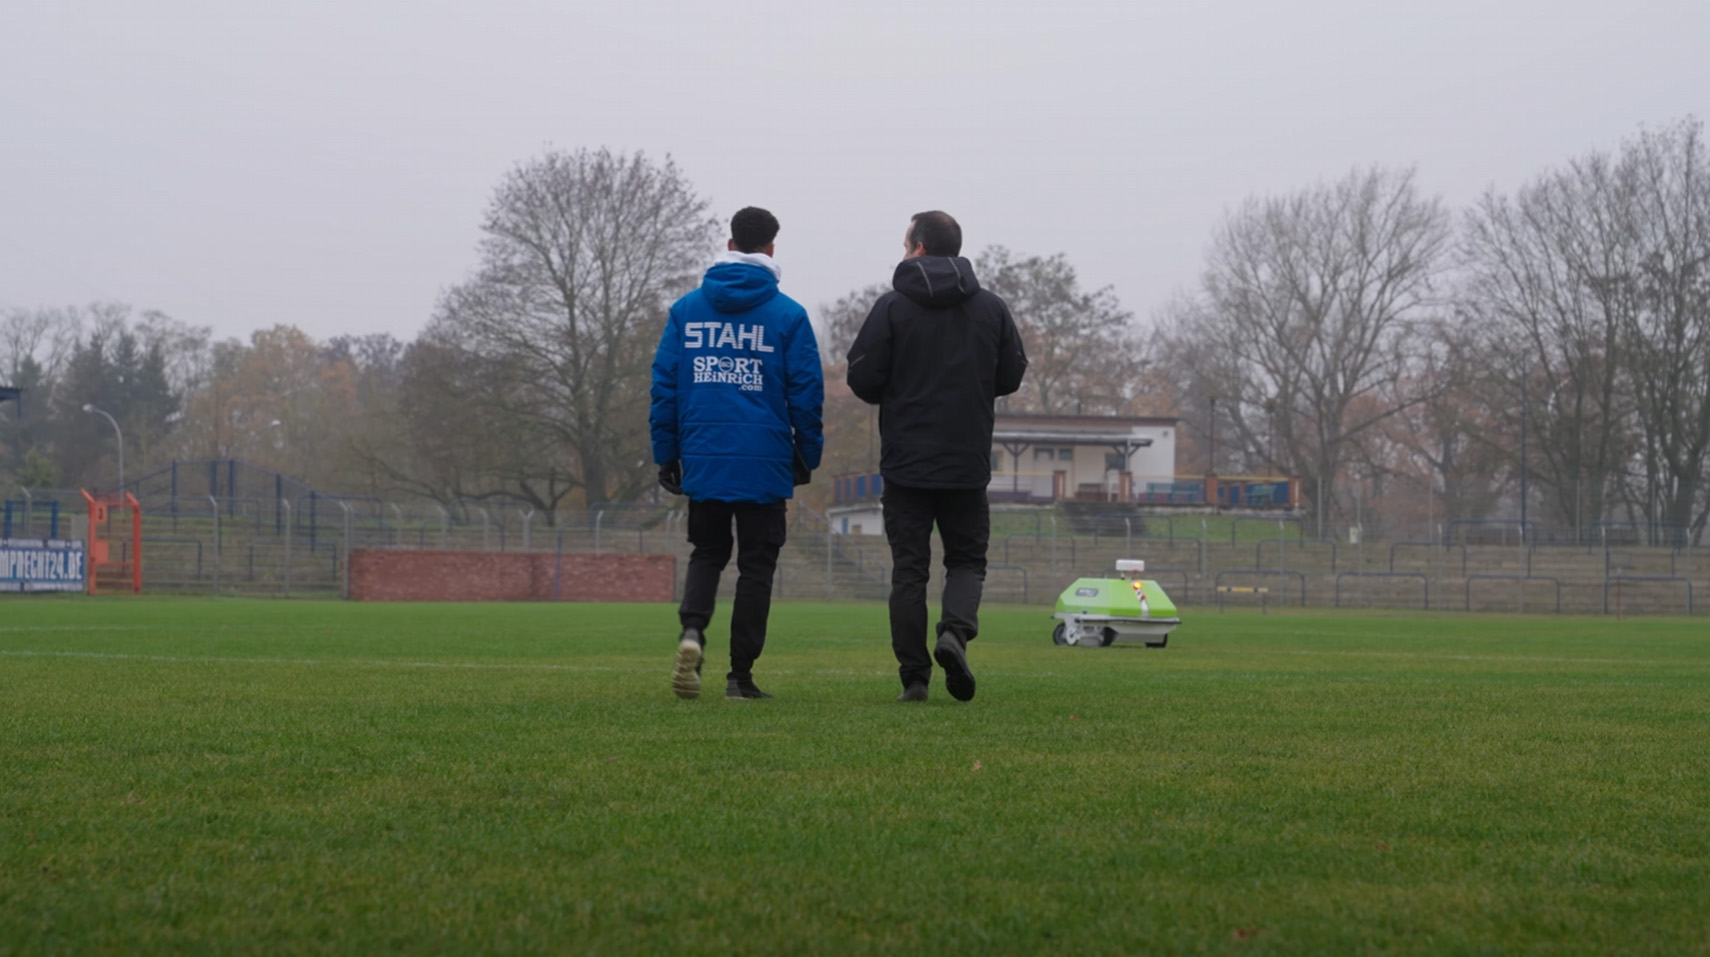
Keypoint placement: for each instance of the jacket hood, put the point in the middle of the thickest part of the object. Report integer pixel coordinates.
(936, 281)
(738, 285)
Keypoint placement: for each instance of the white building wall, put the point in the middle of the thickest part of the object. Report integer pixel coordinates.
(1157, 462)
(857, 520)
(1086, 465)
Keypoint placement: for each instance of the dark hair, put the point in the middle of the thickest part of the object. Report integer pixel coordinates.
(938, 231)
(753, 229)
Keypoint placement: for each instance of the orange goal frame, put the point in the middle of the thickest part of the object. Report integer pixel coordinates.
(102, 568)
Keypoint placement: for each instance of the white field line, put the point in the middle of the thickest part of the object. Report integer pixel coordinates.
(31, 629)
(548, 666)
(310, 662)
(387, 663)
(467, 665)
(1445, 656)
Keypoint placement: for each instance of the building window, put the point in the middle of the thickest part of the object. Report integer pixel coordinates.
(1115, 462)
(997, 461)
(1043, 455)
(1065, 455)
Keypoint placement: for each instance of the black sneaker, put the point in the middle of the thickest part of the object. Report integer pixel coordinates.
(738, 689)
(914, 692)
(686, 676)
(953, 658)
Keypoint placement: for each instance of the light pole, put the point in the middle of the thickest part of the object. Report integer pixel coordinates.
(118, 432)
(1271, 438)
(1525, 370)
(1211, 457)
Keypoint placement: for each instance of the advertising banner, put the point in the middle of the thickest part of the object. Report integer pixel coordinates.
(41, 564)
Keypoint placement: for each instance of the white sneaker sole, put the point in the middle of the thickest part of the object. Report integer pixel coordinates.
(685, 680)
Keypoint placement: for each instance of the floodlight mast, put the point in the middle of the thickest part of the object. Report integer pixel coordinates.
(90, 407)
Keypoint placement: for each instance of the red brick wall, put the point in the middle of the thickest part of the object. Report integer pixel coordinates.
(380, 574)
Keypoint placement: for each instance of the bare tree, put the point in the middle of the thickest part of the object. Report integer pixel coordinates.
(1439, 448)
(1665, 295)
(1313, 309)
(278, 400)
(1593, 287)
(1550, 335)
(1082, 352)
(839, 322)
(583, 253)
(44, 337)
(448, 445)
(186, 349)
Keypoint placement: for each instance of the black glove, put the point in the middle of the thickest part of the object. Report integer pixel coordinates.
(671, 477)
(803, 474)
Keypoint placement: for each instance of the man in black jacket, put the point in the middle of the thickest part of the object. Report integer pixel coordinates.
(934, 355)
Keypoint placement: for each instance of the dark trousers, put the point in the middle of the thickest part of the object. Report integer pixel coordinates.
(759, 536)
(964, 525)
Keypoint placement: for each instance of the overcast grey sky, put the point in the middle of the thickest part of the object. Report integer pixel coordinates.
(241, 163)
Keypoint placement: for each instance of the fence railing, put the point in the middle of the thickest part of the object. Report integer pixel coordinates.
(299, 545)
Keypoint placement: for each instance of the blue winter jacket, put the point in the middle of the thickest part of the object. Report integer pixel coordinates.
(737, 388)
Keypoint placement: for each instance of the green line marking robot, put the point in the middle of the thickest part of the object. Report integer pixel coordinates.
(1125, 609)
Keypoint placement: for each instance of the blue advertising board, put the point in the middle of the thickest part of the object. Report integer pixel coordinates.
(41, 564)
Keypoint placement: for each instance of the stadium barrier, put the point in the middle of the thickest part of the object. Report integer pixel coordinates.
(389, 574)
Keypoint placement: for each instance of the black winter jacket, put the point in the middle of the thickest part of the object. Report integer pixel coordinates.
(933, 356)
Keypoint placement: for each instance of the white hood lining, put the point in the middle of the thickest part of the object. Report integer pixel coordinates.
(752, 259)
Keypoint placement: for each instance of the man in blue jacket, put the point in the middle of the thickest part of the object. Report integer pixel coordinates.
(737, 393)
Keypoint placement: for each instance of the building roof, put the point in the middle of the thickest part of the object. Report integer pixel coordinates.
(1041, 437)
(1112, 430)
(1032, 421)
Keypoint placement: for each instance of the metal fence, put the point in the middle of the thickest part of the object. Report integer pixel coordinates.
(297, 544)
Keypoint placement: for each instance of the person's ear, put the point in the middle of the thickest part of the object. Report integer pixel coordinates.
(730, 244)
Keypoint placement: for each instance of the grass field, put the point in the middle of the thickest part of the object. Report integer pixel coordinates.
(1210, 528)
(225, 776)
